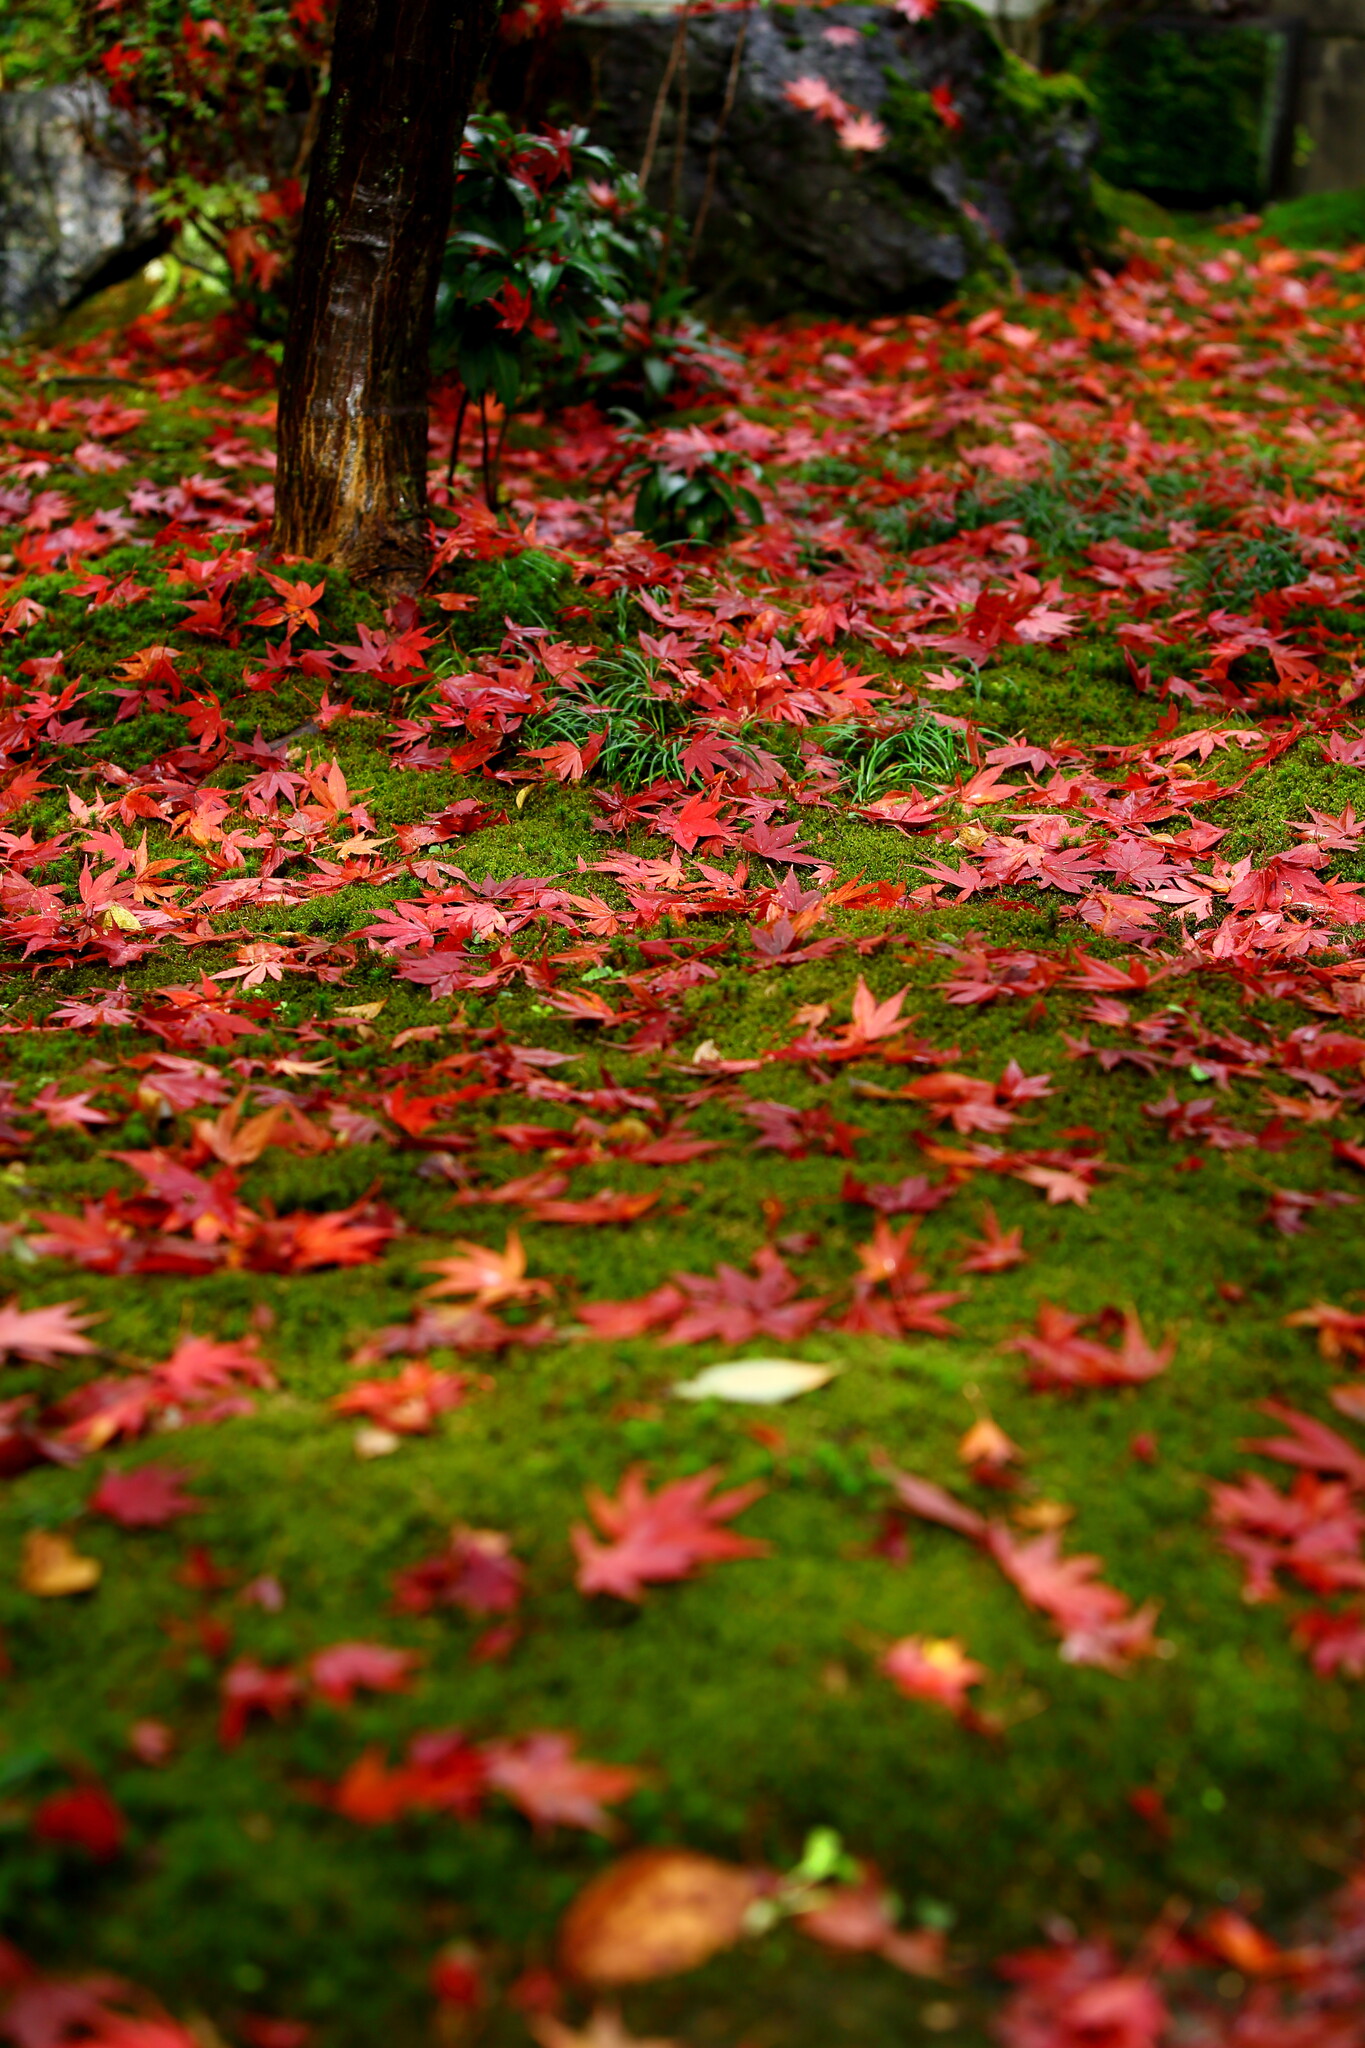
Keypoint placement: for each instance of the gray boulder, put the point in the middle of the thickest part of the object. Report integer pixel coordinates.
(71, 220)
(795, 218)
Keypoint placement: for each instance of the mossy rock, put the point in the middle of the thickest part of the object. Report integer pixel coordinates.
(984, 170)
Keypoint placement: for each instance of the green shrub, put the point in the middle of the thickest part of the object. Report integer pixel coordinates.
(1181, 110)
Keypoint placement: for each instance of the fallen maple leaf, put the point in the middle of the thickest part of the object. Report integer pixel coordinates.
(236, 1143)
(1062, 1358)
(343, 1669)
(248, 1687)
(544, 1780)
(1335, 1642)
(933, 1668)
(600, 1208)
(1095, 1620)
(478, 1573)
(85, 1817)
(996, 1250)
(660, 1538)
(410, 1402)
(306, 1241)
(43, 1334)
(1074, 1994)
(146, 1499)
(1312, 1445)
(860, 1919)
(873, 1020)
(934, 1503)
(987, 1449)
(1341, 1333)
(489, 1276)
(1059, 1184)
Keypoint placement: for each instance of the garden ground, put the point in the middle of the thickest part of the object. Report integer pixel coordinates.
(926, 924)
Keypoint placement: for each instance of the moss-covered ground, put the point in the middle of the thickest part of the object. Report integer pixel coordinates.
(751, 1695)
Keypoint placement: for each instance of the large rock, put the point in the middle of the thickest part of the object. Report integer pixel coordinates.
(71, 220)
(796, 218)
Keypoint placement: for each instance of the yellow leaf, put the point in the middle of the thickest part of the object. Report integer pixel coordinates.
(53, 1568)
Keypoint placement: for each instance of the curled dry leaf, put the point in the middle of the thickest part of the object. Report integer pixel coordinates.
(53, 1568)
(755, 1382)
(656, 1913)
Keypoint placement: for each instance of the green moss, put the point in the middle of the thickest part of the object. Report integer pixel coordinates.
(1131, 210)
(1038, 95)
(1319, 220)
(529, 587)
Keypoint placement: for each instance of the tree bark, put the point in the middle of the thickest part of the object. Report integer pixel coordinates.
(351, 486)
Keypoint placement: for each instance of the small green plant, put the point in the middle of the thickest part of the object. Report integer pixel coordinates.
(555, 281)
(695, 497)
(632, 708)
(892, 752)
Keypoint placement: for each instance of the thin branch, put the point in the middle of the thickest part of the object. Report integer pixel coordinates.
(679, 154)
(656, 119)
(713, 160)
(455, 438)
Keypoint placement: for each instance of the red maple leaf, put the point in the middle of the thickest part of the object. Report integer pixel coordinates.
(343, 1669)
(201, 1365)
(873, 1020)
(305, 1242)
(934, 1503)
(544, 1780)
(477, 1573)
(43, 1334)
(248, 1688)
(1312, 1445)
(654, 1539)
(996, 1250)
(595, 1209)
(732, 1307)
(85, 1817)
(1097, 1625)
(410, 1402)
(1076, 1995)
(1335, 1642)
(146, 1499)
(940, 1671)
(1062, 1358)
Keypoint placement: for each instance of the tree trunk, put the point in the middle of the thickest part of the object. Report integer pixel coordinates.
(351, 487)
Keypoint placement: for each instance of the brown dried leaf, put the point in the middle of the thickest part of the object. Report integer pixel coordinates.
(654, 1914)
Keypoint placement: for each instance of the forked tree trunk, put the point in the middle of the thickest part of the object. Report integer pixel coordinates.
(351, 487)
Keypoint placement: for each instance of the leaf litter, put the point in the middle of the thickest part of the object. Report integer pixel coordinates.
(876, 739)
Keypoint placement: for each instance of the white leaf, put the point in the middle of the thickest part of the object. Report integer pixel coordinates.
(758, 1382)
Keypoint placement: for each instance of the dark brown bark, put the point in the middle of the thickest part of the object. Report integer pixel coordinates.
(351, 487)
